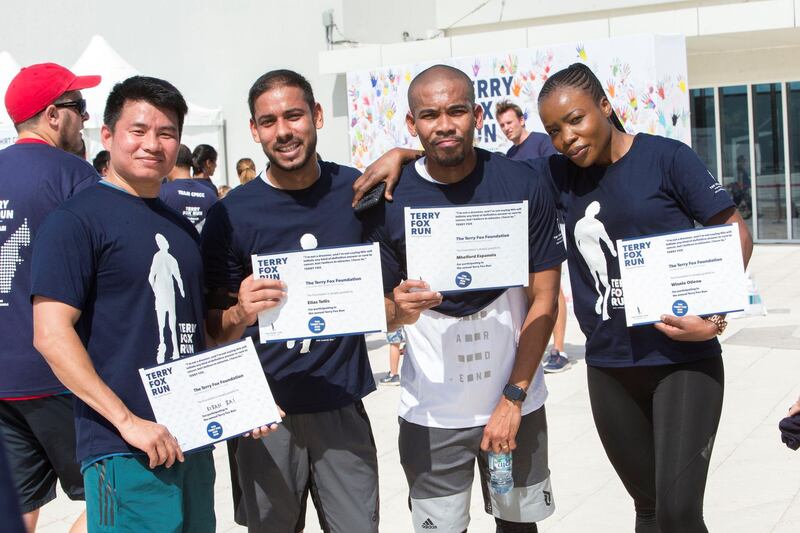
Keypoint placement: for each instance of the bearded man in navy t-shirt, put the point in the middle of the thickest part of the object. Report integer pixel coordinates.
(37, 174)
(325, 440)
(115, 273)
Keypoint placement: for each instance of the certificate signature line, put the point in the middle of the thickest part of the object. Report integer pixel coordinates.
(227, 393)
(692, 275)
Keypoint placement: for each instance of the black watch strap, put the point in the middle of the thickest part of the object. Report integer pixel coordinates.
(514, 393)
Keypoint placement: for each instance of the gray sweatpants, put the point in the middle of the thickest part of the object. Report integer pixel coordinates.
(332, 453)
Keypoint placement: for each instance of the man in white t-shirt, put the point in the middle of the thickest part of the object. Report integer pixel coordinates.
(471, 380)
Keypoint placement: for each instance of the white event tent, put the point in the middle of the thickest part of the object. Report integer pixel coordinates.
(202, 125)
(8, 69)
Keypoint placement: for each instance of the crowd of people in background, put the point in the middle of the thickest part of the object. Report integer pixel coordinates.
(108, 258)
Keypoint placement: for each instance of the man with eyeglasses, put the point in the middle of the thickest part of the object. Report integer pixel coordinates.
(37, 174)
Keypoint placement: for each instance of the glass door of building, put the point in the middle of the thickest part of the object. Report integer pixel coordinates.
(751, 142)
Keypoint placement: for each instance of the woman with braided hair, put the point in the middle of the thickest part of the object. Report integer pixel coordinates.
(656, 391)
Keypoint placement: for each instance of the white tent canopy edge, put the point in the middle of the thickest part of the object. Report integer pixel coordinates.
(202, 125)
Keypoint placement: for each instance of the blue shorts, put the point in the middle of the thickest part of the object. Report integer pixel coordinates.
(124, 494)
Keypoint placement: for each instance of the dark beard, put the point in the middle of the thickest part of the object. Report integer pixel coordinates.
(447, 159)
(309, 153)
(72, 145)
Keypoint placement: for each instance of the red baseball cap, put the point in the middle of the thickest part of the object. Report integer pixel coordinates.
(38, 86)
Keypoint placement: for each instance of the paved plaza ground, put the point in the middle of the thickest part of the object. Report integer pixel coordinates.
(754, 483)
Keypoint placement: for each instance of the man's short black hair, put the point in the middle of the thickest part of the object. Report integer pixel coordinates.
(279, 78)
(184, 157)
(101, 160)
(154, 91)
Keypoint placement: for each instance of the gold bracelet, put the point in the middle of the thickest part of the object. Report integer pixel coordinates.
(719, 321)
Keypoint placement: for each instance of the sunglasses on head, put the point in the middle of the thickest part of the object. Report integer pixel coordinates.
(79, 105)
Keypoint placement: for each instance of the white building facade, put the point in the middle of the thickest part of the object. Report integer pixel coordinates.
(743, 75)
(743, 67)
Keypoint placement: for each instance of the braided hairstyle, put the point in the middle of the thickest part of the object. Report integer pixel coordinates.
(579, 76)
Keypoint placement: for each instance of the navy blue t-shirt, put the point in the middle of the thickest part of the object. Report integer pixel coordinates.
(257, 218)
(209, 184)
(35, 178)
(534, 146)
(659, 186)
(495, 179)
(133, 267)
(190, 198)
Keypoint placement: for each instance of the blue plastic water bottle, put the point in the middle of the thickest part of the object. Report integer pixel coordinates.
(500, 479)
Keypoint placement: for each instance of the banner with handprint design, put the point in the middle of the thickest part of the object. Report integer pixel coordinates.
(644, 78)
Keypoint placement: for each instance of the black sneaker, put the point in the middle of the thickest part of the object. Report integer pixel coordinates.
(390, 379)
(557, 362)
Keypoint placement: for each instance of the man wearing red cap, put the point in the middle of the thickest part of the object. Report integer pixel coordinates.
(37, 174)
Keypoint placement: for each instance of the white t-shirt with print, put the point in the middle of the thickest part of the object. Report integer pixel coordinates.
(455, 369)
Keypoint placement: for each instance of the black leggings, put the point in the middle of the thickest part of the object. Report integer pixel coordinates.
(657, 425)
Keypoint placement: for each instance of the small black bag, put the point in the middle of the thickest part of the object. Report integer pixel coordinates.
(790, 431)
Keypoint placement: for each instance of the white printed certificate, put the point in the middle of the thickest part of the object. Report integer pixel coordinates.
(212, 396)
(469, 247)
(331, 292)
(690, 272)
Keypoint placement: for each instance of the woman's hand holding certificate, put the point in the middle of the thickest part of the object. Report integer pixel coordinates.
(690, 328)
(692, 272)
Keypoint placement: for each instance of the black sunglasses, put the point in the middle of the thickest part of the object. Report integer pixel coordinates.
(79, 105)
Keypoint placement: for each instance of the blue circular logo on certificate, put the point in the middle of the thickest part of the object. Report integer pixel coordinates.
(680, 308)
(214, 430)
(463, 279)
(316, 324)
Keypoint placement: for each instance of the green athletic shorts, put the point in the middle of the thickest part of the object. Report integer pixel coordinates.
(124, 494)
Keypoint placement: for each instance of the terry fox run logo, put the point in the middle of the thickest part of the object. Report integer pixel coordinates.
(463, 279)
(165, 275)
(428, 524)
(214, 430)
(316, 324)
(594, 245)
(680, 308)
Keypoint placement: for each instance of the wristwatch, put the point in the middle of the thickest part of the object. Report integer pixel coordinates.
(514, 393)
(719, 321)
